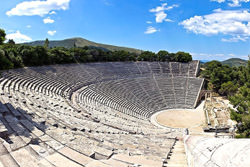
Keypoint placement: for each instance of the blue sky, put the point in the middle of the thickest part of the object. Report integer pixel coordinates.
(208, 29)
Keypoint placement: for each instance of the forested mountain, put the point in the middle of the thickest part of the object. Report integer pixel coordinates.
(81, 43)
(235, 62)
(44, 53)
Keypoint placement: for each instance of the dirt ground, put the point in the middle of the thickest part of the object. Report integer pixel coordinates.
(192, 119)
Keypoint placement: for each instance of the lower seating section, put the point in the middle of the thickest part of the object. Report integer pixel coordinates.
(45, 130)
(92, 115)
(143, 96)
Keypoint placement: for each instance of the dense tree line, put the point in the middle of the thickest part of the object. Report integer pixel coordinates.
(16, 55)
(233, 82)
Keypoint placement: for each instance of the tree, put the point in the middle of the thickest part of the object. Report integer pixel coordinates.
(228, 88)
(11, 42)
(2, 36)
(162, 55)
(183, 57)
(147, 56)
(46, 43)
(171, 57)
(5, 63)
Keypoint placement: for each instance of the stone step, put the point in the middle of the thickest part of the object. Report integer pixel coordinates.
(178, 158)
(178, 152)
(75, 156)
(3, 149)
(177, 162)
(115, 163)
(25, 157)
(179, 149)
(60, 160)
(8, 161)
(176, 165)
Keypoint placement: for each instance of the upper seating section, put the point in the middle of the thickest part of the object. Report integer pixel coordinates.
(153, 86)
(65, 79)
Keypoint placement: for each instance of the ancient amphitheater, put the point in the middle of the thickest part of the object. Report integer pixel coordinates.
(98, 115)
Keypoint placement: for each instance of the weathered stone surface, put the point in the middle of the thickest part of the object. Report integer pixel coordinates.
(10, 119)
(24, 158)
(16, 142)
(32, 128)
(59, 160)
(102, 153)
(217, 152)
(3, 129)
(140, 160)
(97, 164)
(51, 142)
(76, 156)
(3, 149)
(8, 160)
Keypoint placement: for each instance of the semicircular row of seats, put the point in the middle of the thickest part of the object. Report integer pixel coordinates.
(93, 114)
(141, 97)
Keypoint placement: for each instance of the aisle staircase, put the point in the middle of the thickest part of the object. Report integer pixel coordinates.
(177, 157)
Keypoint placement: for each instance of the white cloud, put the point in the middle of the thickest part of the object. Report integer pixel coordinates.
(151, 30)
(28, 26)
(18, 37)
(159, 8)
(51, 33)
(52, 12)
(236, 3)
(160, 14)
(232, 23)
(160, 17)
(235, 39)
(38, 7)
(232, 55)
(48, 20)
(232, 3)
(216, 56)
(149, 22)
(168, 20)
(219, 1)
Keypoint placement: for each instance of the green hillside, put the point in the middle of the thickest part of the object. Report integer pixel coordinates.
(80, 42)
(235, 62)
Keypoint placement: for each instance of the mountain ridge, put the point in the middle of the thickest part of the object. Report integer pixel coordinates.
(234, 62)
(81, 42)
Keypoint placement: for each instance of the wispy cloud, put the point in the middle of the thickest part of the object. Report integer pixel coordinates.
(107, 2)
(235, 39)
(151, 30)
